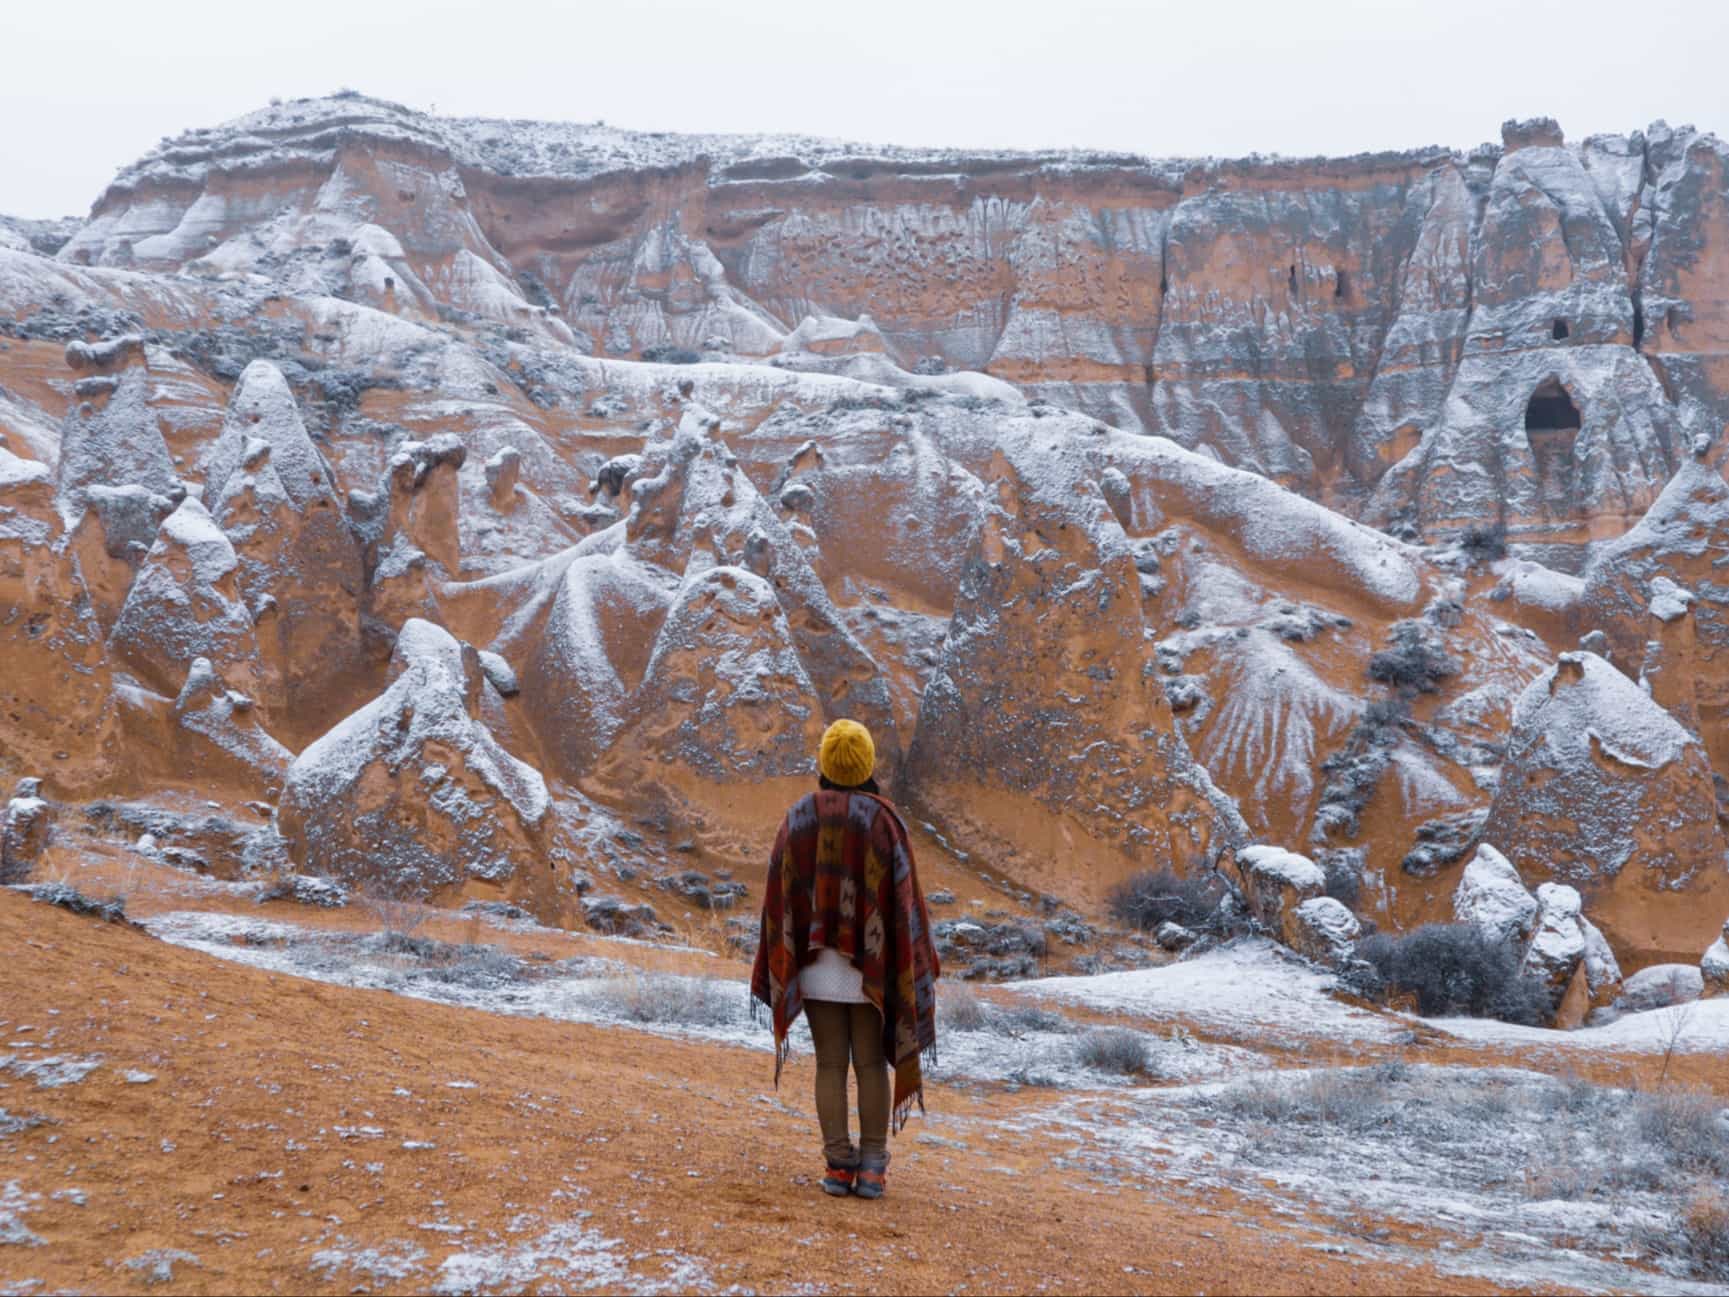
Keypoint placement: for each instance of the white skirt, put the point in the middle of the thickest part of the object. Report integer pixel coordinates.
(832, 977)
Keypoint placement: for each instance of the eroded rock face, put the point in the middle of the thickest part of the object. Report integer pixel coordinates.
(56, 692)
(412, 794)
(25, 822)
(222, 728)
(186, 603)
(906, 482)
(1043, 705)
(1606, 791)
(300, 574)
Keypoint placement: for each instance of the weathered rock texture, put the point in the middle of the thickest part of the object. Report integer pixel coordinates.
(502, 504)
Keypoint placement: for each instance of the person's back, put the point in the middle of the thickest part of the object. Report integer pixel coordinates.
(846, 940)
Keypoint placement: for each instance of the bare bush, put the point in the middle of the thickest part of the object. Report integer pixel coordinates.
(1451, 969)
(1703, 1233)
(1484, 544)
(1685, 1126)
(1114, 1050)
(398, 910)
(668, 1000)
(959, 1008)
(1153, 897)
(1415, 662)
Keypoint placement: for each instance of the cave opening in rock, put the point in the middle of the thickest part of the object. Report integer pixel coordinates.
(1559, 330)
(1552, 424)
(1550, 409)
(1638, 324)
(1341, 287)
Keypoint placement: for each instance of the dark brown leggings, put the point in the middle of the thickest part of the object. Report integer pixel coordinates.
(844, 1033)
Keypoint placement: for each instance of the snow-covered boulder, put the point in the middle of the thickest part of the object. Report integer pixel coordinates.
(1492, 897)
(114, 442)
(412, 794)
(1557, 950)
(1602, 969)
(1660, 986)
(1605, 791)
(1275, 884)
(1714, 967)
(498, 671)
(1324, 930)
(24, 824)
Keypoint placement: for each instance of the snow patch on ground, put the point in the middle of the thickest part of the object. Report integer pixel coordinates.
(609, 993)
(1552, 1179)
(1250, 990)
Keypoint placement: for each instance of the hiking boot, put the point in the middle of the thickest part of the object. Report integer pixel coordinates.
(838, 1181)
(870, 1182)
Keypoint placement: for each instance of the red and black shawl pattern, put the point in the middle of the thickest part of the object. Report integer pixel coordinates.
(842, 876)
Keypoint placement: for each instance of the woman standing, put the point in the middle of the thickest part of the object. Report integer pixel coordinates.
(846, 940)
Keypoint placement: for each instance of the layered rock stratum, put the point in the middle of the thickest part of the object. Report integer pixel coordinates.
(501, 509)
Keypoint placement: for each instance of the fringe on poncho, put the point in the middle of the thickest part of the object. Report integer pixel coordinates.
(842, 876)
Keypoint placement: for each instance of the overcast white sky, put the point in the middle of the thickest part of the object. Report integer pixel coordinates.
(88, 87)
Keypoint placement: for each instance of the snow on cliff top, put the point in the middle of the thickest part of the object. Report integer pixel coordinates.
(576, 150)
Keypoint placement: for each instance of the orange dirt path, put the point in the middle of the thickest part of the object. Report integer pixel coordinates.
(669, 1144)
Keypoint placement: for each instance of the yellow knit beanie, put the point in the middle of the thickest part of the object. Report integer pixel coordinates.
(847, 756)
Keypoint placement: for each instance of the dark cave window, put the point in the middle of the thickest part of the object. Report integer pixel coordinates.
(1341, 286)
(1638, 324)
(1550, 409)
(1559, 330)
(389, 284)
(1293, 279)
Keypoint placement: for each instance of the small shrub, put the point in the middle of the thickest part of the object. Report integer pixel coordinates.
(1685, 1126)
(1704, 1232)
(666, 999)
(1452, 969)
(1344, 873)
(474, 964)
(665, 355)
(1415, 663)
(68, 897)
(959, 1009)
(1484, 544)
(398, 910)
(1158, 896)
(1114, 1050)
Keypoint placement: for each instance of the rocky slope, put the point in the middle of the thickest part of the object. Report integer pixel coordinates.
(500, 509)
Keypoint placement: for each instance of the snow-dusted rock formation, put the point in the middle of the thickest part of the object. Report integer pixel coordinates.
(1605, 791)
(412, 794)
(701, 442)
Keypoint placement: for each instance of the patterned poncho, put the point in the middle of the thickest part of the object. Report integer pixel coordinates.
(842, 876)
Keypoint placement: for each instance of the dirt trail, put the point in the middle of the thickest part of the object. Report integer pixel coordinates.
(288, 1121)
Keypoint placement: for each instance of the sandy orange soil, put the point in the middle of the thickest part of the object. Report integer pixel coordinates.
(252, 1150)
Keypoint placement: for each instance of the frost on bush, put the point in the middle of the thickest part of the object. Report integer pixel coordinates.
(1451, 970)
(1415, 662)
(1114, 1050)
(667, 999)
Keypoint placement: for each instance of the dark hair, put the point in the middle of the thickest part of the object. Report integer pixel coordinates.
(868, 786)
